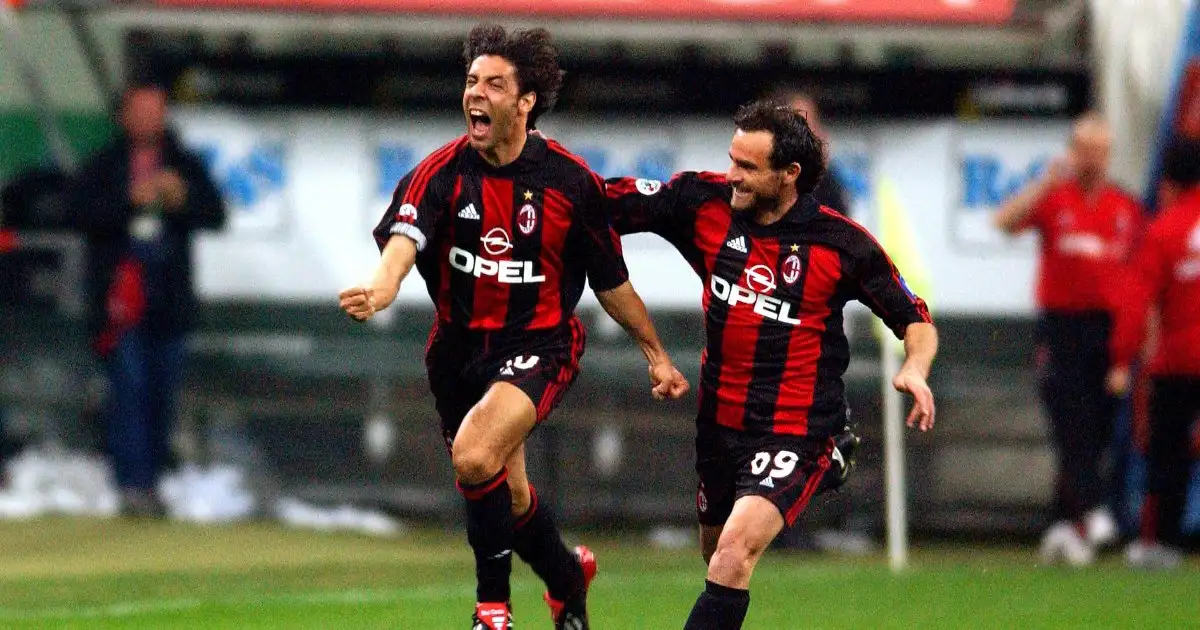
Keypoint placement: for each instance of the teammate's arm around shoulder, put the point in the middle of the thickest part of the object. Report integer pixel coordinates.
(363, 301)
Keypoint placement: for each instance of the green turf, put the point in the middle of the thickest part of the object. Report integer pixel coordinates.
(60, 573)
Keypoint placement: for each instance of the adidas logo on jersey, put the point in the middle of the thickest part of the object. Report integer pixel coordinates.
(767, 482)
(469, 212)
(737, 244)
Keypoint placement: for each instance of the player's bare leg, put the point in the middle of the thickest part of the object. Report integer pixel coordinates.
(751, 527)
(491, 433)
(518, 483)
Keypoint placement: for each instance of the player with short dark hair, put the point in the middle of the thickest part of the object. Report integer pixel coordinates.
(1165, 272)
(505, 226)
(778, 270)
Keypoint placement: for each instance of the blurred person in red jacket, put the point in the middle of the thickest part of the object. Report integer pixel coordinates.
(1165, 273)
(1087, 227)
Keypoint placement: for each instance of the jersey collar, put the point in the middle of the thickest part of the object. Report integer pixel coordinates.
(529, 159)
(805, 208)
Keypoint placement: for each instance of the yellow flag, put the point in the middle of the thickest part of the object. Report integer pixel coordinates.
(899, 239)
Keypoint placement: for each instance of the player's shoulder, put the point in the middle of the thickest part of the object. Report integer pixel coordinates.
(841, 229)
(831, 229)
(571, 166)
(556, 150)
(1177, 217)
(1060, 195)
(700, 187)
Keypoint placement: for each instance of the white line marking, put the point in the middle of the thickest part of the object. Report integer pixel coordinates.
(432, 592)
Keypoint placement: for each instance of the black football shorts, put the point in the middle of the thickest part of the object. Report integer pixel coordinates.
(462, 366)
(786, 470)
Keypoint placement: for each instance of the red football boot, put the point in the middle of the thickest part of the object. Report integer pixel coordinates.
(572, 615)
(492, 616)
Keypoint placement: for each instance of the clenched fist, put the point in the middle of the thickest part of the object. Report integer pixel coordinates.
(666, 381)
(358, 302)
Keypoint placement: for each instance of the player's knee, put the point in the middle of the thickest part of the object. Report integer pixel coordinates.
(735, 557)
(473, 464)
(729, 567)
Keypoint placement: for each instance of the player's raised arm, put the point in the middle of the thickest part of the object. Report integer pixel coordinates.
(363, 301)
(1020, 211)
(406, 226)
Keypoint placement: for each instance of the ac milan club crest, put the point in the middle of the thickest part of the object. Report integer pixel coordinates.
(791, 269)
(527, 219)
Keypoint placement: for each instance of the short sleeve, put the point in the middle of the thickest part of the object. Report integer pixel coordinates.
(419, 199)
(884, 290)
(647, 205)
(1042, 211)
(604, 260)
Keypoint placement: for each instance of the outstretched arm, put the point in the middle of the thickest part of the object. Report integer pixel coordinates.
(920, 346)
(409, 222)
(625, 306)
(667, 209)
(363, 301)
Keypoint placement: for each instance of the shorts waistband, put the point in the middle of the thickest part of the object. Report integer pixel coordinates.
(496, 338)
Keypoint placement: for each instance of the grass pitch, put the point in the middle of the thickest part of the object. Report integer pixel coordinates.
(62, 573)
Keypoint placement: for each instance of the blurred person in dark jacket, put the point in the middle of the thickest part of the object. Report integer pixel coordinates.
(139, 202)
(829, 191)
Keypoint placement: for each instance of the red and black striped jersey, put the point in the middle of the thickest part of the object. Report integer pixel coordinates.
(506, 248)
(773, 299)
